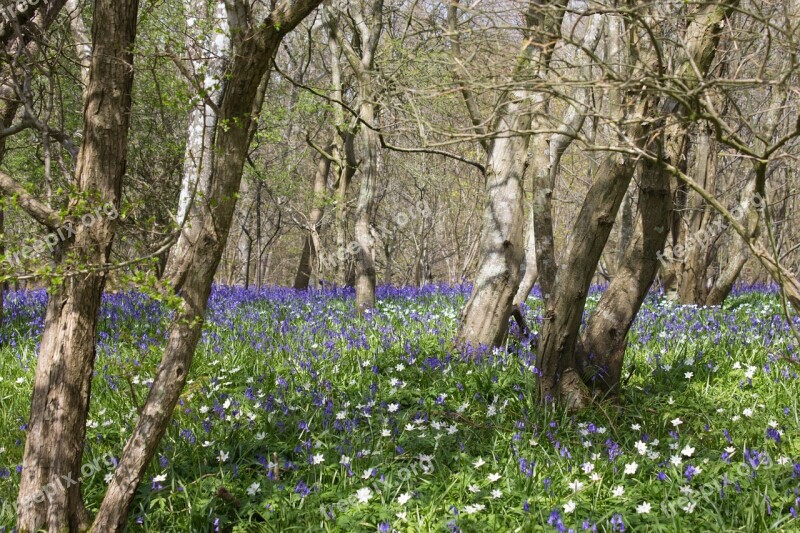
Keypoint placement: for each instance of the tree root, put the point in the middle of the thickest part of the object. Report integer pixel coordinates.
(573, 392)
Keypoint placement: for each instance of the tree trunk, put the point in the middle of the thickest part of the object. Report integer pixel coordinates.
(344, 163)
(602, 345)
(8, 110)
(788, 281)
(210, 58)
(702, 37)
(568, 283)
(545, 250)
(751, 205)
(388, 252)
(81, 39)
(259, 251)
(728, 276)
(303, 277)
(242, 100)
(531, 273)
(626, 227)
(540, 164)
(247, 260)
(367, 28)
(556, 354)
(365, 264)
(308, 260)
(49, 494)
(692, 288)
(484, 320)
(540, 250)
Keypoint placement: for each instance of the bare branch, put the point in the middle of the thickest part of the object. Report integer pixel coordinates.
(36, 209)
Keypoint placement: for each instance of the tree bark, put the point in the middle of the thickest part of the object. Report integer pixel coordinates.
(751, 204)
(308, 260)
(344, 162)
(210, 57)
(56, 429)
(544, 236)
(255, 49)
(366, 276)
(692, 288)
(541, 247)
(367, 30)
(728, 276)
(564, 312)
(531, 273)
(484, 319)
(625, 223)
(602, 345)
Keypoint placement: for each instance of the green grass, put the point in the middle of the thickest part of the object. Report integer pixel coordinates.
(272, 374)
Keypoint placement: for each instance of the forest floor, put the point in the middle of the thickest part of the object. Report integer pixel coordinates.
(300, 416)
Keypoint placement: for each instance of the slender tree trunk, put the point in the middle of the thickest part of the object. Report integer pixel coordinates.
(367, 28)
(788, 281)
(540, 250)
(308, 260)
(242, 100)
(344, 163)
(730, 273)
(531, 273)
(56, 429)
(303, 277)
(210, 57)
(602, 345)
(702, 37)
(568, 285)
(751, 204)
(259, 250)
(626, 226)
(565, 287)
(540, 164)
(248, 259)
(345, 169)
(366, 277)
(544, 236)
(484, 320)
(81, 39)
(692, 289)
(556, 355)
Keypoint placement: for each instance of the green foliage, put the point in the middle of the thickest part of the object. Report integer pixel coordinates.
(246, 405)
